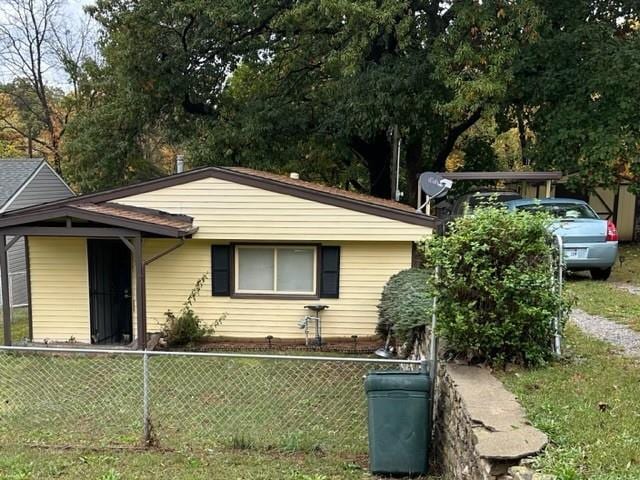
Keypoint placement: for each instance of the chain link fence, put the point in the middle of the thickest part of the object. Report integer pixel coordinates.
(75, 397)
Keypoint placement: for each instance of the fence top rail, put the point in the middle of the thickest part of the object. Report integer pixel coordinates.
(104, 351)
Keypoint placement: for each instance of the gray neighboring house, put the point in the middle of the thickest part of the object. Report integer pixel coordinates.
(25, 182)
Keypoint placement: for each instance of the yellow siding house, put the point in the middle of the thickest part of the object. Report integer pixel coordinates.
(105, 267)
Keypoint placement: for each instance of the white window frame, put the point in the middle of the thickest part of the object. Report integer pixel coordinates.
(275, 291)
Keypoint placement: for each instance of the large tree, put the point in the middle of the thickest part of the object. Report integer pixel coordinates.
(577, 90)
(315, 85)
(110, 141)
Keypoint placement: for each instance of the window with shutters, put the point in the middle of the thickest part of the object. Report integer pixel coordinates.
(266, 269)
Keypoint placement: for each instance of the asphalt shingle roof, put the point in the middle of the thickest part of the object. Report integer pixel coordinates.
(13, 173)
(318, 187)
(139, 214)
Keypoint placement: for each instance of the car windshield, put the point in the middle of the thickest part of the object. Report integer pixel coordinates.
(566, 211)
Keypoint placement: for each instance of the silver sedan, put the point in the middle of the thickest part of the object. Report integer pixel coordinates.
(590, 243)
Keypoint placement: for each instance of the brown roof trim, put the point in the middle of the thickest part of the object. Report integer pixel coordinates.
(513, 176)
(243, 178)
(58, 211)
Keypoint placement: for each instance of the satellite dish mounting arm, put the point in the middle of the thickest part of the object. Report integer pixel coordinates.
(434, 186)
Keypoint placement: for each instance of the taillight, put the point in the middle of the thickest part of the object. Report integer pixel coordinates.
(612, 232)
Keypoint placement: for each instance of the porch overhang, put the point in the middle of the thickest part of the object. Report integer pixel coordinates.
(103, 220)
(97, 220)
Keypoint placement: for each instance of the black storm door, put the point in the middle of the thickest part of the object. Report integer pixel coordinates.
(109, 291)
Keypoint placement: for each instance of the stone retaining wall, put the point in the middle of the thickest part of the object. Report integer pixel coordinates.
(481, 432)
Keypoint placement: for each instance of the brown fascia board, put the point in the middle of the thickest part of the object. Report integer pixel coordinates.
(70, 211)
(248, 180)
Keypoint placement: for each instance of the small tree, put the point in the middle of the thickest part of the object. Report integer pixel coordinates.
(186, 328)
(405, 305)
(495, 289)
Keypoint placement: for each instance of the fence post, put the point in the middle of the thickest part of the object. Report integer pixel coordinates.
(558, 337)
(146, 421)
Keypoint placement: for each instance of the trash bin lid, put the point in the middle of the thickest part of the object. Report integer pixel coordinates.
(397, 380)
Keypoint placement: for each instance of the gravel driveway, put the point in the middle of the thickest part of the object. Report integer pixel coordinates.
(627, 287)
(612, 332)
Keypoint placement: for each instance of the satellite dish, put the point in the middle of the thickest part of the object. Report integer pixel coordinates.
(434, 185)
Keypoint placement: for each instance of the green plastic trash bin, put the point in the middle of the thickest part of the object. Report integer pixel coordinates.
(399, 422)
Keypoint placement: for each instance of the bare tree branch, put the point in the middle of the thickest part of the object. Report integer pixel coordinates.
(35, 41)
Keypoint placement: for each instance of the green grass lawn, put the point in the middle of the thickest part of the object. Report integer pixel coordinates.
(19, 326)
(604, 298)
(235, 418)
(194, 402)
(589, 405)
(627, 268)
(214, 418)
(36, 464)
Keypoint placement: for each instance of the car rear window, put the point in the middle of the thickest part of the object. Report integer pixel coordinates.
(494, 199)
(567, 211)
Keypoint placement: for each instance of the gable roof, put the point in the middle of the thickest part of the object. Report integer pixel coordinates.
(14, 172)
(258, 179)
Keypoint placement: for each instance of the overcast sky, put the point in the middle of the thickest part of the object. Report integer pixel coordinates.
(73, 11)
(74, 7)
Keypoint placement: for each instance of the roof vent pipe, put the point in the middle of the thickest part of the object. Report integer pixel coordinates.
(179, 163)
(294, 175)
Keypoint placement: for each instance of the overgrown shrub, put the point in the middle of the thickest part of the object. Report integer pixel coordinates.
(186, 328)
(405, 305)
(495, 291)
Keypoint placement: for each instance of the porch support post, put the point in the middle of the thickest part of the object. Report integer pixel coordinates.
(548, 189)
(6, 301)
(141, 290)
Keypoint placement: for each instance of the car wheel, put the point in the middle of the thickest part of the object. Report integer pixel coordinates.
(600, 273)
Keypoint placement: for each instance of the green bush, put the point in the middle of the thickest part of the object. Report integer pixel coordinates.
(496, 300)
(186, 328)
(405, 305)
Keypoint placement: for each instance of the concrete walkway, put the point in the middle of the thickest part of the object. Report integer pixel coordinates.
(604, 329)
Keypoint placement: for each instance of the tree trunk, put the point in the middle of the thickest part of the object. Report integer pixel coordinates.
(452, 138)
(57, 162)
(379, 165)
(522, 135)
(376, 156)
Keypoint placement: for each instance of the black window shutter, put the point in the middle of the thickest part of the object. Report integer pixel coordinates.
(221, 270)
(330, 272)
